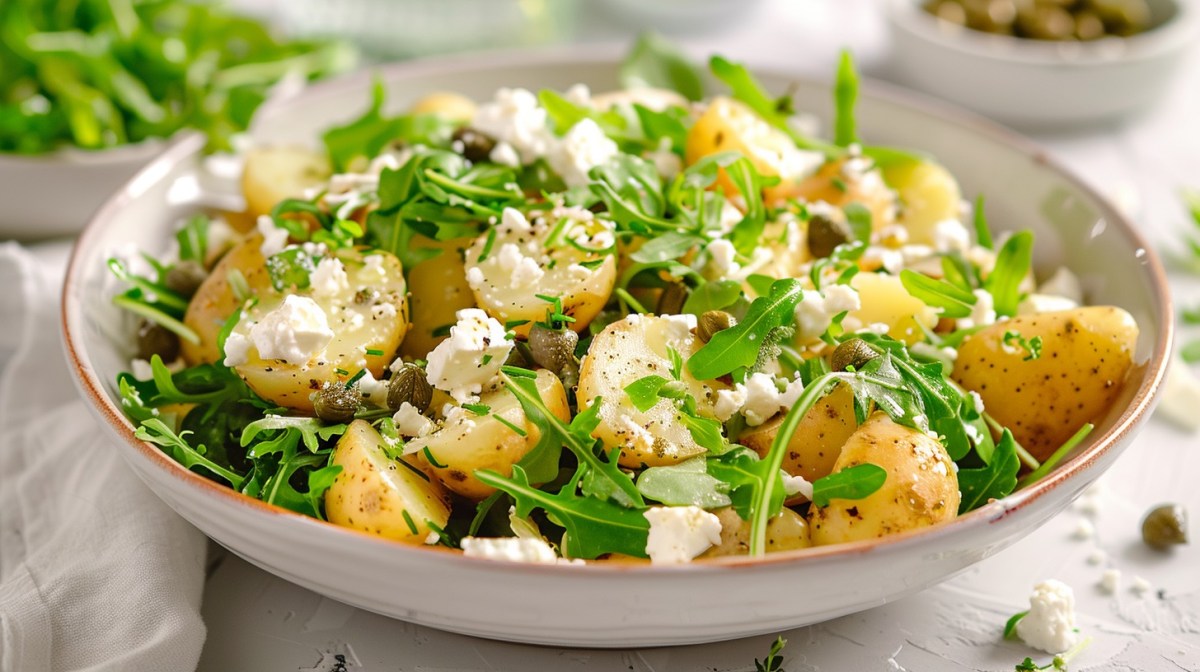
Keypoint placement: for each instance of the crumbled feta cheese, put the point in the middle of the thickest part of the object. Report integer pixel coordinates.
(1050, 623)
(949, 235)
(141, 369)
(523, 271)
(1181, 397)
(666, 162)
(475, 277)
(1084, 529)
(329, 277)
(514, 221)
(722, 258)
(1097, 557)
(680, 533)
(1140, 585)
(729, 402)
(274, 237)
(411, 422)
(504, 154)
(511, 549)
(514, 117)
(382, 311)
(798, 485)
(374, 391)
(295, 332)
(983, 312)
(1044, 303)
(237, 349)
(579, 94)
(1110, 581)
(763, 398)
(679, 329)
(584, 147)
(816, 311)
(1063, 283)
(457, 365)
(373, 266)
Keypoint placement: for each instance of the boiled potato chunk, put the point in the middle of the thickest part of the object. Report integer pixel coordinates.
(929, 194)
(438, 289)
(815, 446)
(445, 104)
(367, 315)
(786, 532)
(921, 488)
(215, 300)
(629, 350)
(1086, 355)
(273, 174)
(373, 492)
(728, 125)
(885, 300)
(519, 263)
(467, 442)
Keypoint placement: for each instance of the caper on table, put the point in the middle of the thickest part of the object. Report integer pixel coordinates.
(1165, 526)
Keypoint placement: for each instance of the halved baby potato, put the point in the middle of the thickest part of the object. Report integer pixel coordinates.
(817, 443)
(367, 316)
(379, 495)
(272, 174)
(467, 442)
(785, 532)
(885, 300)
(556, 255)
(438, 289)
(629, 350)
(215, 300)
(929, 194)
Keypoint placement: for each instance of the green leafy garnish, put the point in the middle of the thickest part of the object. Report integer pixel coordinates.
(655, 62)
(738, 346)
(845, 92)
(773, 662)
(857, 482)
(1032, 346)
(993, 481)
(1012, 266)
(983, 234)
(950, 298)
(1010, 626)
(367, 136)
(684, 484)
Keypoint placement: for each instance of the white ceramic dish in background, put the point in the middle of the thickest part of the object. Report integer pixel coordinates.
(621, 605)
(55, 194)
(1039, 85)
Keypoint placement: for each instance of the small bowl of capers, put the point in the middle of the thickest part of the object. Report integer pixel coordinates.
(1043, 64)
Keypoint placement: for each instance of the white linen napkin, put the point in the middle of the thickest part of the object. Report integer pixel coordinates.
(95, 572)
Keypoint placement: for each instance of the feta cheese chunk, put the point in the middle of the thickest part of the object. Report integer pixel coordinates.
(523, 271)
(470, 358)
(1050, 623)
(512, 549)
(515, 118)
(1110, 581)
(295, 332)
(584, 147)
(983, 312)
(680, 533)
(1181, 397)
(816, 311)
(798, 485)
(237, 348)
(329, 277)
(410, 422)
(274, 237)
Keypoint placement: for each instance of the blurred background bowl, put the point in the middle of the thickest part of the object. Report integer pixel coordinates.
(1036, 84)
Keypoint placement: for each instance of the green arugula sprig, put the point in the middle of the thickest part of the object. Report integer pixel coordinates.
(774, 661)
(655, 62)
(738, 346)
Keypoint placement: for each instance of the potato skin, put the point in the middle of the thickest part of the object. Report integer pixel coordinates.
(921, 488)
(437, 289)
(272, 174)
(786, 532)
(1087, 354)
(818, 441)
(214, 301)
(884, 299)
(477, 442)
(373, 492)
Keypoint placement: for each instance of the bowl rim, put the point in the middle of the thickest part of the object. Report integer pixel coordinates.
(1176, 33)
(189, 146)
(142, 150)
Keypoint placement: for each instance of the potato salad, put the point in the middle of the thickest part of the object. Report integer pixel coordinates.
(658, 323)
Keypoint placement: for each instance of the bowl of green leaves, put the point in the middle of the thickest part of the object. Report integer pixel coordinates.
(91, 90)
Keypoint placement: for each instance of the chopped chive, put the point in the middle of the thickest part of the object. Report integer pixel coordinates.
(487, 246)
(478, 409)
(409, 521)
(239, 286)
(982, 233)
(341, 372)
(487, 358)
(408, 465)
(514, 428)
(629, 301)
(443, 330)
(374, 353)
(356, 378)
(517, 372)
(155, 315)
(839, 184)
(513, 324)
(432, 460)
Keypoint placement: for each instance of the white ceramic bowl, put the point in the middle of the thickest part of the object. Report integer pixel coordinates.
(1039, 85)
(55, 194)
(629, 605)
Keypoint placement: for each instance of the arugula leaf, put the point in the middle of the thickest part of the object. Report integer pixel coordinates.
(845, 92)
(716, 295)
(193, 239)
(858, 217)
(983, 234)
(773, 662)
(686, 483)
(756, 489)
(593, 526)
(175, 445)
(309, 430)
(1012, 266)
(996, 480)
(950, 298)
(367, 136)
(667, 124)
(320, 480)
(655, 62)
(738, 346)
(290, 268)
(671, 245)
(1010, 626)
(1033, 346)
(857, 482)
(643, 392)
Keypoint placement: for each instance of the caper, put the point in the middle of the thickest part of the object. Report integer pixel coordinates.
(1122, 17)
(1165, 526)
(409, 384)
(155, 339)
(1088, 26)
(671, 301)
(824, 235)
(992, 16)
(335, 402)
(948, 10)
(1046, 22)
(552, 349)
(711, 322)
(476, 146)
(185, 278)
(852, 353)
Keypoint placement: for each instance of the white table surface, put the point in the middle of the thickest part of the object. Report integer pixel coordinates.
(259, 622)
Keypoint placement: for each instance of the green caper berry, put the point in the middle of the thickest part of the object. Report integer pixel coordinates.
(155, 339)
(711, 322)
(852, 353)
(335, 402)
(409, 384)
(476, 146)
(553, 349)
(185, 278)
(824, 235)
(1165, 526)
(671, 301)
